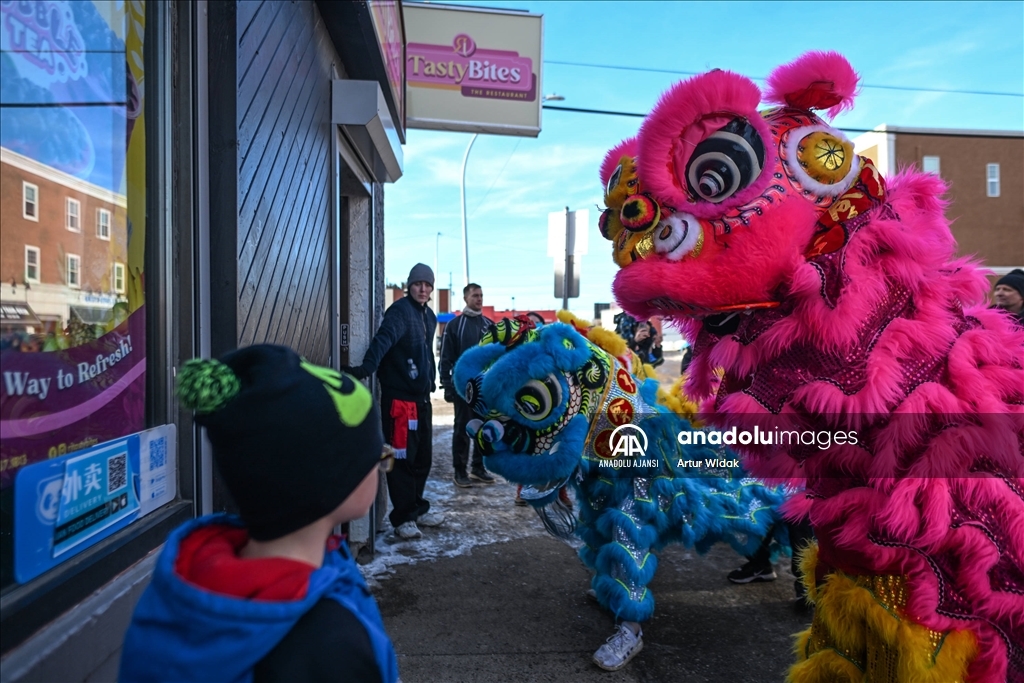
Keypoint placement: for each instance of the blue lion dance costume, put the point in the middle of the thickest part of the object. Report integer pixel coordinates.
(551, 400)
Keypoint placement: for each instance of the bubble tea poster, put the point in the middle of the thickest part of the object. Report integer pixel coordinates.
(72, 90)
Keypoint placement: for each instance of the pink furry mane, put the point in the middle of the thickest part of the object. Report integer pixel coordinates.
(823, 298)
(816, 80)
(611, 160)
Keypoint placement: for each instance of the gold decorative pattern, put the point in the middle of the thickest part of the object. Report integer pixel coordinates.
(825, 157)
(645, 245)
(882, 647)
(821, 639)
(695, 252)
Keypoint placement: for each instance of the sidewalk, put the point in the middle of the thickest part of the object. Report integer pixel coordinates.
(490, 596)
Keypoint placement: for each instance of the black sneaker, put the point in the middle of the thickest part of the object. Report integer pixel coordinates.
(482, 476)
(803, 606)
(751, 572)
(461, 480)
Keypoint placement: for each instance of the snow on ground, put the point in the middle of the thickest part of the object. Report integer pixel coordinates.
(482, 515)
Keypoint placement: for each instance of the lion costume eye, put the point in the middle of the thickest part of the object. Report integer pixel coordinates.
(678, 235)
(821, 159)
(537, 398)
(724, 163)
(613, 182)
(474, 397)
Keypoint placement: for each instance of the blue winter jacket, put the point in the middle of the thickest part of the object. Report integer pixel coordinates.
(183, 633)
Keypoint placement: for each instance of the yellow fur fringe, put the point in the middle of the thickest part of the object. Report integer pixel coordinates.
(672, 398)
(859, 635)
(610, 342)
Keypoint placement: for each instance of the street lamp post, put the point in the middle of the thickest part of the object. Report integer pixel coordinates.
(465, 239)
(465, 158)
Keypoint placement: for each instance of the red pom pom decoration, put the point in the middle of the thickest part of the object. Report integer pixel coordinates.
(640, 213)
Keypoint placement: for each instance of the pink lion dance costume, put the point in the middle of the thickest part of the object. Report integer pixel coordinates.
(833, 301)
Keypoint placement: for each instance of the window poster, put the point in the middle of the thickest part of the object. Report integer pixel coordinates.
(67, 504)
(72, 242)
(72, 150)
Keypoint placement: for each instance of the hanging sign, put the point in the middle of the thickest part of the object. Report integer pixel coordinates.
(472, 69)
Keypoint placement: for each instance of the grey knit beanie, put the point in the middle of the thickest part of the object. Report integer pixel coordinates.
(421, 273)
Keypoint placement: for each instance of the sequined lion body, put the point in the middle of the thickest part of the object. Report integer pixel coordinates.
(552, 401)
(829, 299)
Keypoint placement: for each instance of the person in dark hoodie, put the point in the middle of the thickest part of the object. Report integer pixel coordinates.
(1009, 295)
(269, 595)
(464, 332)
(400, 353)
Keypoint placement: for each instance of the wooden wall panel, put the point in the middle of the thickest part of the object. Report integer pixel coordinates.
(284, 73)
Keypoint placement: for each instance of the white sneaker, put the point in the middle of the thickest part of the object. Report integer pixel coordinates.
(408, 531)
(619, 649)
(431, 519)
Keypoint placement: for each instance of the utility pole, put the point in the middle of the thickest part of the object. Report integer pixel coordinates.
(567, 242)
(566, 273)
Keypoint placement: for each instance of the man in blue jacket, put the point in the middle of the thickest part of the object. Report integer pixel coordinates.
(401, 354)
(270, 595)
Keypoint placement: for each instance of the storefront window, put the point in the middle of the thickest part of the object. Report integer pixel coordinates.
(72, 349)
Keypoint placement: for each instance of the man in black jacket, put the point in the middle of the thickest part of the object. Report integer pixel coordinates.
(1009, 295)
(400, 353)
(462, 333)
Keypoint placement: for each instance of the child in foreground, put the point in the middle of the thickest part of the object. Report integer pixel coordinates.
(269, 595)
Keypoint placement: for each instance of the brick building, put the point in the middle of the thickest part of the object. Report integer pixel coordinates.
(985, 172)
(64, 251)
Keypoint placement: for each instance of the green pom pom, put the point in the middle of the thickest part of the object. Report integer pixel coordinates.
(206, 385)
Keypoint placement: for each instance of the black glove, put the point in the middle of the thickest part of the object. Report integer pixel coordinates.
(450, 395)
(356, 372)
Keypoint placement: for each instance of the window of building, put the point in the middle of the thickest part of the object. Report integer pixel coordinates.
(31, 264)
(118, 278)
(74, 271)
(930, 165)
(60, 544)
(30, 201)
(74, 211)
(103, 224)
(992, 177)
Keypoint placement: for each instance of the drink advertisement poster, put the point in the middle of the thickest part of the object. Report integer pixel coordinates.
(72, 142)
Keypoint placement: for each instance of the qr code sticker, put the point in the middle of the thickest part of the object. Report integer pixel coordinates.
(117, 472)
(157, 453)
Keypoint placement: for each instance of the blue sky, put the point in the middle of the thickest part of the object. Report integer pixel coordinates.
(513, 183)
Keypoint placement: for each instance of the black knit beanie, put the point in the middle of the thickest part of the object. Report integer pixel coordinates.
(292, 440)
(1015, 279)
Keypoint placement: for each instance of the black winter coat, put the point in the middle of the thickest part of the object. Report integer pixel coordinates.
(461, 333)
(401, 352)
